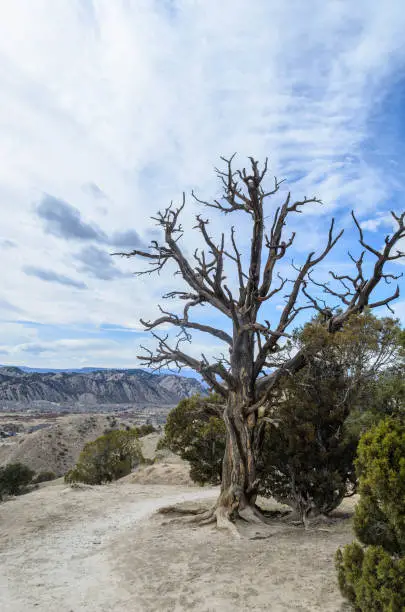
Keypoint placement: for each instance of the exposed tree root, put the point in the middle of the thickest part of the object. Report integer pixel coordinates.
(219, 515)
(222, 517)
(190, 516)
(311, 522)
(252, 514)
(180, 510)
(208, 521)
(204, 518)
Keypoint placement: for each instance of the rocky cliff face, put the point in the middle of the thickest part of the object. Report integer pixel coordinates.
(98, 387)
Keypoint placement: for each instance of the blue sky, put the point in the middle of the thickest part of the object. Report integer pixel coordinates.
(110, 109)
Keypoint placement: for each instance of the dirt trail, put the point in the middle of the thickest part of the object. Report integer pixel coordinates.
(54, 544)
(97, 549)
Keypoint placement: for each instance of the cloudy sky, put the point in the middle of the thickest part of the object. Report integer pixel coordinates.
(110, 109)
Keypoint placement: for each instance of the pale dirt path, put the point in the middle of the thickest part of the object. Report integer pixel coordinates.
(98, 549)
(55, 545)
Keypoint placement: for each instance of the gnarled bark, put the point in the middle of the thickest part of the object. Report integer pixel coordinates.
(243, 379)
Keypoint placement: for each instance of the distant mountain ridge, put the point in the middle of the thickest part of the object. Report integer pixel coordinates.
(27, 369)
(98, 386)
(55, 370)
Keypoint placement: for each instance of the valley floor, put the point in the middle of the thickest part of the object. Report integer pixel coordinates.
(96, 549)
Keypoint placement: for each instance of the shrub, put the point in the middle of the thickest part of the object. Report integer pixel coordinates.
(144, 430)
(381, 469)
(196, 431)
(306, 461)
(373, 579)
(108, 458)
(44, 476)
(307, 457)
(14, 478)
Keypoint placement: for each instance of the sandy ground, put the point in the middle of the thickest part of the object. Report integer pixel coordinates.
(104, 548)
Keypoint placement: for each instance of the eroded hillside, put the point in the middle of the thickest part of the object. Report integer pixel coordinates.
(136, 387)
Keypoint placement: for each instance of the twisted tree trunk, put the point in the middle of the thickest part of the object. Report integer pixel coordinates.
(206, 283)
(239, 479)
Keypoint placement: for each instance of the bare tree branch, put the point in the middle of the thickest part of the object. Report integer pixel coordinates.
(358, 289)
(243, 378)
(291, 309)
(166, 355)
(238, 260)
(207, 284)
(184, 323)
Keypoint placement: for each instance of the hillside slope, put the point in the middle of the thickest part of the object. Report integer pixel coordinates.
(99, 387)
(57, 447)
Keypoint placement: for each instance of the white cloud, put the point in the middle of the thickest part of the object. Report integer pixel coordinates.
(399, 309)
(66, 344)
(386, 222)
(375, 223)
(116, 107)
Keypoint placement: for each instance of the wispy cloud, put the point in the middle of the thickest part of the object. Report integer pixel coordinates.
(375, 223)
(116, 107)
(64, 220)
(65, 344)
(53, 277)
(98, 264)
(62, 347)
(128, 239)
(7, 244)
(94, 190)
(8, 307)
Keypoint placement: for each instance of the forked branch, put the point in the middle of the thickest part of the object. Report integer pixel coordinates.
(253, 342)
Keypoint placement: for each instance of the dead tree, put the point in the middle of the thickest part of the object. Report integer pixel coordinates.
(245, 379)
